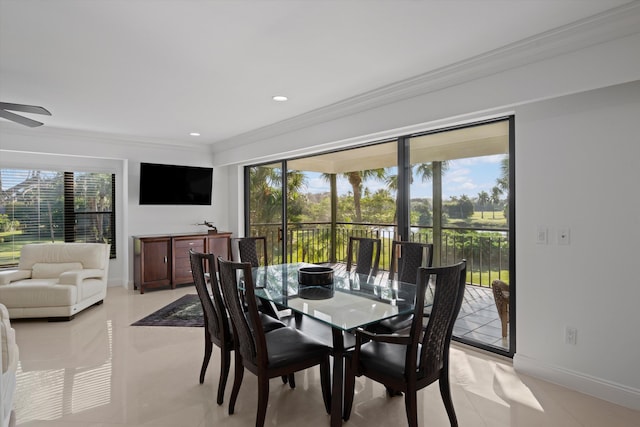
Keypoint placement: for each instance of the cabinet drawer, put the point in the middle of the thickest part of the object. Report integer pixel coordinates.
(196, 244)
(182, 267)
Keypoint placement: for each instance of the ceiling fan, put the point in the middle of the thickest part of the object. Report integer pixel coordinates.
(4, 106)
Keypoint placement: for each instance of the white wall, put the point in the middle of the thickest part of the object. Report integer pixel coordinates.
(577, 148)
(43, 147)
(577, 167)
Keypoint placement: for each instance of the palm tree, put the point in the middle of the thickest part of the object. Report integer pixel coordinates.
(425, 170)
(503, 181)
(356, 178)
(483, 199)
(495, 199)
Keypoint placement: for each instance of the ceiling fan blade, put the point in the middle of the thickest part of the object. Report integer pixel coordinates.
(19, 119)
(24, 108)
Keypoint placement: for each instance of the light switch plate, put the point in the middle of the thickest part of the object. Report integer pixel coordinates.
(541, 235)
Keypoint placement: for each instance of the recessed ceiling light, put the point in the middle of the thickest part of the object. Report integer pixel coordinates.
(194, 134)
(280, 98)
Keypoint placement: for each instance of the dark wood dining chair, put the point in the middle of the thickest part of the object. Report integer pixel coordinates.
(217, 327)
(254, 251)
(408, 363)
(250, 249)
(406, 259)
(367, 255)
(278, 353)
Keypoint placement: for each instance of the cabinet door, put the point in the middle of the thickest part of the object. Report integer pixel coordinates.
(220, 245)
(152, 262)
(156, 261)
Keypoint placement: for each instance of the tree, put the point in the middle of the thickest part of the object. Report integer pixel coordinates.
(422, 209)
(483, 199)
(356, 178)
(495, 199)
(460, 207)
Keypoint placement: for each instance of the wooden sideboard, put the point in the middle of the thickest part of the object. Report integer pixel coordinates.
(163, 260)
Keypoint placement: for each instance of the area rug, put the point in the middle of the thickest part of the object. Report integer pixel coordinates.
(185, 311)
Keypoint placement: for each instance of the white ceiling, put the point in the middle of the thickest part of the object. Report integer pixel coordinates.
(158, 70)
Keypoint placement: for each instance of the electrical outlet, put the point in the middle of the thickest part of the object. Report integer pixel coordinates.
(564, 236)
(571, 335)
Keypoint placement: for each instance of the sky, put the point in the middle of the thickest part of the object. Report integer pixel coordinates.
(464, 176)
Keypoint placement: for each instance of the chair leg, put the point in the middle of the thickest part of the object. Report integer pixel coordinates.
(349, 390)
(208, 347)
(292, 380)
(237, 381)
(445, 392)
(263, 399)
(504, 318)
(285, 379)
(225, 365)
(411, 407)
(325, 384)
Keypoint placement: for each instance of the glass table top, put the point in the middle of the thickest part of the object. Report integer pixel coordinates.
(353, 302)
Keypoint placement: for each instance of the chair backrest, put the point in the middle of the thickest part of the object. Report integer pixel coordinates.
(243, 311)
(215, 314)
(449, 283)
(250, 249)
(367, 252)
(407, 257)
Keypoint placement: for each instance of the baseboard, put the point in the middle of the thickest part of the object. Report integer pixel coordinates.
(596, 387)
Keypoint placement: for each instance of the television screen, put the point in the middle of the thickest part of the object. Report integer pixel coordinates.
(175, 185)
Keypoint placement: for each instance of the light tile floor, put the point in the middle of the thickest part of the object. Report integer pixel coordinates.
(98, 371)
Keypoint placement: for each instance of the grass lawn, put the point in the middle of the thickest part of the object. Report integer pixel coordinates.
(10, 245)
(476, 220)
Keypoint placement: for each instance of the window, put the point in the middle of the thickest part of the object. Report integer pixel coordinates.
(452, 187)
(54, 206)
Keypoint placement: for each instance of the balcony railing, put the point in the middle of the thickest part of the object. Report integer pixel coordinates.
(486, 250)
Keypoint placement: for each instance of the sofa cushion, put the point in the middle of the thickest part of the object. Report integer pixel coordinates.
(38, 293)
(91, 255)
(52, 270)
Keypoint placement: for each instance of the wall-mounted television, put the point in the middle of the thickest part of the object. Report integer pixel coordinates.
(175, 185)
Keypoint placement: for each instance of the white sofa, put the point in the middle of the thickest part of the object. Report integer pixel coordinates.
(56, 280)
(9, 363)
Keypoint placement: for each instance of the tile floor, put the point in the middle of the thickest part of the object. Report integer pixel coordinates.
(478, 319)
(98, 371)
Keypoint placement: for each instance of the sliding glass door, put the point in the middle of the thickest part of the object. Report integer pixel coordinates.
(459, 200)
(264, 206)
(452, 187)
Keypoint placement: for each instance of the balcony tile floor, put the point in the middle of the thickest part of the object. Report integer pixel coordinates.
(478, 318)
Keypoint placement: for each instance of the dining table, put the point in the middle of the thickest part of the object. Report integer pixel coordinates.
(351, 301)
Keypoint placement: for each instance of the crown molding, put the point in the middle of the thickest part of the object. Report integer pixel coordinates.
(609, 25)
(7, 129)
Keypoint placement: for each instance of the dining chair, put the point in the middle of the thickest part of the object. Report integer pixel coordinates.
(406, 258)
(250, 249)
(408, 363)
(367, 252)
(278, 353)
(254, 251)
(217, 328)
